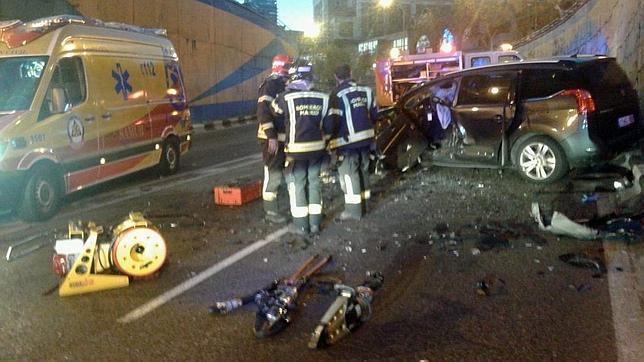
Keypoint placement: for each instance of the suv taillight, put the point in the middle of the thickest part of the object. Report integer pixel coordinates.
(585, 102)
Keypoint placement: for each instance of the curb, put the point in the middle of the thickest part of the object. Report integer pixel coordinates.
(224, 123)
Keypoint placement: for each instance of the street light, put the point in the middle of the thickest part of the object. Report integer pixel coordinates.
(505, 47)
(313, 30)
(394, 53)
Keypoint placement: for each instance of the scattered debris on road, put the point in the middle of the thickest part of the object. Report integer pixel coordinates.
(28, 245)
(560, 224)
(624, 229)
(490, 285)
(491, 241)
(583, 260)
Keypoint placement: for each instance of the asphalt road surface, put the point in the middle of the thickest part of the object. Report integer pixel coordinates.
(434, 233)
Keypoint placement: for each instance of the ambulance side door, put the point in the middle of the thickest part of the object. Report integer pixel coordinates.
(123, 115)
(165, 96)
(67, 122)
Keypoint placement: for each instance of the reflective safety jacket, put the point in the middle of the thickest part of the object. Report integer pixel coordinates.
(352, 112)
(269, 126)
(303, 112)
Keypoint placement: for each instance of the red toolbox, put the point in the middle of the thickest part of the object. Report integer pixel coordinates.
(238, 193)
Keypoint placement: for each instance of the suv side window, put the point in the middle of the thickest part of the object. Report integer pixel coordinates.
(485, 89)
(68, 75)
(541, 83)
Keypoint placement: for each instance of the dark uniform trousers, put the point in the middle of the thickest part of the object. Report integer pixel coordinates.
(350, 122)
(270, 127)
(353, 170)
(303, 178)
(303, 110)
(273, 175)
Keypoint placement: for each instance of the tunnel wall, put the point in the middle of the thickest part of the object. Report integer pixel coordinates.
(611, 27)
(225, 50)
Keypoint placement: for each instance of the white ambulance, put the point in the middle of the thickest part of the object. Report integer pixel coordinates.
(83, 102)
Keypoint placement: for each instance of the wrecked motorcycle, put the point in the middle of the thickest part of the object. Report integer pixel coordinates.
(275, 302)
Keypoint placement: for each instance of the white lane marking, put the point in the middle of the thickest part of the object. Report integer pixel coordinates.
(625, 300)
(183, 287)
(201, 174)
(137, 191)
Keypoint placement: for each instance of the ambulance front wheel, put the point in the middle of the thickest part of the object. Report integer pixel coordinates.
(42, 195)
(169, 164)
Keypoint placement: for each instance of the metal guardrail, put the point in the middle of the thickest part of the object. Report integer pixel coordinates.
(568, 13)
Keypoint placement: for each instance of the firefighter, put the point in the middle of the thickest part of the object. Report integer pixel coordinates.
(352, 111)
(303, 110)
(271, 135)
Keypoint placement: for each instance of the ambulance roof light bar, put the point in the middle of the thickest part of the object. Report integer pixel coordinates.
(8, 24)
(134, 28)
(16, 32)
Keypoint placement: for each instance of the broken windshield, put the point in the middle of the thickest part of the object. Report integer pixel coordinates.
(19, 78)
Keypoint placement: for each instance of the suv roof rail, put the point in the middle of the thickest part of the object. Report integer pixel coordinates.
(577, 55)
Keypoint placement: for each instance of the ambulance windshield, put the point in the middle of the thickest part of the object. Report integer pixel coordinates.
(19, 78)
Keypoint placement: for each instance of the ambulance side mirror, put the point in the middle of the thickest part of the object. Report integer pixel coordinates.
(58, 102)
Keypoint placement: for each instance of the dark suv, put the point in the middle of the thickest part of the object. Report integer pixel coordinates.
(541, 117)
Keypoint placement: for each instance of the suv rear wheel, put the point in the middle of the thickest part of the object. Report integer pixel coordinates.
(540, 159)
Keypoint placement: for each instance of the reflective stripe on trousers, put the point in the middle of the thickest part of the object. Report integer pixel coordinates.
(303, 178)
(354, 179)
(273, 175)
(268, 180)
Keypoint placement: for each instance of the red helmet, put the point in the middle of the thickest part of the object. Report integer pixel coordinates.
(281, 63)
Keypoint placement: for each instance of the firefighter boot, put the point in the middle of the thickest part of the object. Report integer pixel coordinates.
(271, 213)
(315, 221)
(351, 212)
(300, 226)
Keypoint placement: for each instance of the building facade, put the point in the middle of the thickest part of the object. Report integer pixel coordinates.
(366, 23)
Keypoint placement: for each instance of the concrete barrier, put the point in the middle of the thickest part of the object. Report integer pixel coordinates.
(224, 48)
(610, 27)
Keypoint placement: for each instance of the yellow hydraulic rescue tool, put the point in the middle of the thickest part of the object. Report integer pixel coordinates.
(81, 277)
(137, 250)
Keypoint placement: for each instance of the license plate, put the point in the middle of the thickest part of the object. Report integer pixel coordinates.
(625, 121)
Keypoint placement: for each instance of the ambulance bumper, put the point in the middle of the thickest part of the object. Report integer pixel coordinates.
(10, 190)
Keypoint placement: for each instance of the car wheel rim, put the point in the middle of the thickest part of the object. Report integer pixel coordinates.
(538, 161)
(44, 194)
(171, 157)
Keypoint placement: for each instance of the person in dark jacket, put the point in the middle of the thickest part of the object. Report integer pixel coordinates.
(270, 132)
(303, 110)
(352, 111)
